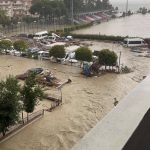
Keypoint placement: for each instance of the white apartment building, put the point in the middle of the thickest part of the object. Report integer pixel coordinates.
(16, 7)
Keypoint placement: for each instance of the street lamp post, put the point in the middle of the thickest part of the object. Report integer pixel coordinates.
(34, 22)
(72, 11)
(119, 61)
(43, 8)
(127, 3)
(19, 23)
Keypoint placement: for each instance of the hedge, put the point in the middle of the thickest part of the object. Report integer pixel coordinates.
(99, 37)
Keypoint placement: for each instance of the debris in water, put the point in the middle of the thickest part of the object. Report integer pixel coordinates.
(115, 101)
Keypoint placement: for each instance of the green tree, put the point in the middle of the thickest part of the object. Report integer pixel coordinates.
(107, 58)
(9, 103)
(5, 44)
(129, 13)
(78, 5)
(48, 9)
(144, 11)
(106, 4)
(57, 51)
(84, 54)
(123, 14)
(20, 45)
(31, 93)
(4, 19)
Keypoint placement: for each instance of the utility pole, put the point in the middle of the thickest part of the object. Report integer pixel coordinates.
(119, 62)
(127, 4)
(72, 12)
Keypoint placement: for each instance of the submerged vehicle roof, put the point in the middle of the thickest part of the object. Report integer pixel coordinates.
(42, 32)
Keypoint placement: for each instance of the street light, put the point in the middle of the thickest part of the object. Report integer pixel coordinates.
(72, 11)
(127, 7)
(19, 23)
(43, 8)
(33, 25)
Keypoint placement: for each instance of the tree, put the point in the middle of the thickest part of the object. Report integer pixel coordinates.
(123, 14)
(57, 51)
(78, 5)
(48, 9)
(31, 93)
(129, 13)
(99, 4)
(84, 54)
(9, 103)
(106, 4)
(144, 11)
(5, 44)
(4, 19)
(20, 45)
(107, 58)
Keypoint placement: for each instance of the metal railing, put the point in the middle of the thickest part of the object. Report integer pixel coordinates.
(21, 123)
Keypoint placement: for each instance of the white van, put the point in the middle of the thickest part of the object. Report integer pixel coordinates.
(43, 55)
(133, 42)
(40, 35)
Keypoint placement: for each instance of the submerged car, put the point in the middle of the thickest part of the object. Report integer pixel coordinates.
(33, 70)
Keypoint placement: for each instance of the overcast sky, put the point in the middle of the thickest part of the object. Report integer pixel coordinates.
(131, 1)
(134, 5)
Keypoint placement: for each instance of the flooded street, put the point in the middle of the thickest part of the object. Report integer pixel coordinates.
(134, 26)
(85, 101)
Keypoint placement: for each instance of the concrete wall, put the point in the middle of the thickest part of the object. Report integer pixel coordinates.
(113, 132)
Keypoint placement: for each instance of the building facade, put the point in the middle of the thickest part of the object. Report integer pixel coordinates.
(16, 7)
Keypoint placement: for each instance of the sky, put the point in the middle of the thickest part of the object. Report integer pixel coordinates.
(133, 4)
(132, 1)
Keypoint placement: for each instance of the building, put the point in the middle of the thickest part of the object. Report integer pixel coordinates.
(16, 7)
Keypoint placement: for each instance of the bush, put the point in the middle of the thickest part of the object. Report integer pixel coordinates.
(84, 54)
(5, 44)
(20, 45)
(107, 57)
(57, 51)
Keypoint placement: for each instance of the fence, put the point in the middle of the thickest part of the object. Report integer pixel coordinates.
(22, 123)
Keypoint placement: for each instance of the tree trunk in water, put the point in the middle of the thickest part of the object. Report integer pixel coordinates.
(22, 118)
(27, 117)
(81, 64)
(3, 132)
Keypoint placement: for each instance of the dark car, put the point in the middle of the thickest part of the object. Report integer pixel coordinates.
(30, 36)
(33, 70)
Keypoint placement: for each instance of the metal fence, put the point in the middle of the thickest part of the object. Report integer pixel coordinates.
(21, 123)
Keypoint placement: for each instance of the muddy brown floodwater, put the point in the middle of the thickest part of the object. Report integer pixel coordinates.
(85, 101)
(128, 26)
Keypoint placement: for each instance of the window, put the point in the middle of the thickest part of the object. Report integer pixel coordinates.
(125, 42)
(135, 42)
